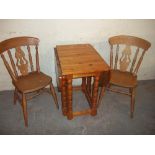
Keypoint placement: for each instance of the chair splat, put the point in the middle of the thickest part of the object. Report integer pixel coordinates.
(22, 63)
(125, 58)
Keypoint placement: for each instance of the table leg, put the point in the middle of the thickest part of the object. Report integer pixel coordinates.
(64, 96)
(95, 95)
(83, 84)
(89, 85)
(69, 98)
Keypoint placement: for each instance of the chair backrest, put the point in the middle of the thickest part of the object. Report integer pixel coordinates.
(17, 64)
(133, 50)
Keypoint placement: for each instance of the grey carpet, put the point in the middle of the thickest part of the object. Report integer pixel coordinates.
(112, 118)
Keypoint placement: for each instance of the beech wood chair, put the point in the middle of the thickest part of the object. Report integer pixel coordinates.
(27, 78)
(124, 66)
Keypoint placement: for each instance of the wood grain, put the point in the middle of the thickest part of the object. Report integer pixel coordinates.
(122, 77)
(28, 82)
(78, 61)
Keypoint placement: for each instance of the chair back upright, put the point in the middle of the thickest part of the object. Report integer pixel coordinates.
(127, 52)
(14, 51)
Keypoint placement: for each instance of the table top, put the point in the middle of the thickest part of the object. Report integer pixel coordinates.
(79, 59)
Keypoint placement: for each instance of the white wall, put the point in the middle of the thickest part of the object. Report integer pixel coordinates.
(96, 32)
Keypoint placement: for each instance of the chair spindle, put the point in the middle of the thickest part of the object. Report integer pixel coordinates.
(139, 62)
(12, 63)
(134, 60)
(8, 68)
(37, 60)
(30, 58)
(116, 57)
(111, 56)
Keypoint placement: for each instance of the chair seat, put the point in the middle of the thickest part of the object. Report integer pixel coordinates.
(32, 82)
(123, 79)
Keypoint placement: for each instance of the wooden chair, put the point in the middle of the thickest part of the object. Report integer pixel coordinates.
(27, 78)
(124, 66)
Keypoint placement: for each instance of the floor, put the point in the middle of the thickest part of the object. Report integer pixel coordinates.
(112, 118)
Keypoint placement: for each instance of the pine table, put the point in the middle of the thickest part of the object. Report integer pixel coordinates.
(79, 61)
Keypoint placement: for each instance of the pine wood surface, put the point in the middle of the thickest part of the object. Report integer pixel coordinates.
(25, 81)
(124, 68)
(80, 59)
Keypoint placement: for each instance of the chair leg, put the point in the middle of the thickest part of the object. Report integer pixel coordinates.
(15, 96)
(109, 85)
(54, 95)
(100, 96)
(24, 107)
(132, 102)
